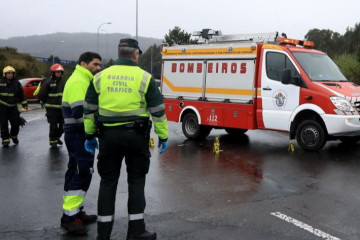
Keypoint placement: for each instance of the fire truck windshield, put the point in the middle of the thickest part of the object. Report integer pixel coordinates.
(319, 67)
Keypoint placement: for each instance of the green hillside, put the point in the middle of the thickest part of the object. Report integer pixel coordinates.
(26, 65)
(70, 46)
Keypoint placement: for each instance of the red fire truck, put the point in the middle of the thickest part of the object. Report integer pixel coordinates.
(259, 81)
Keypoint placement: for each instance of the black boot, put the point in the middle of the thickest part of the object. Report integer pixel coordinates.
(6, 143)
(87, 219)
(74, 226)
(15, 140)
(59, 142)
(53, 143)
(144, 236)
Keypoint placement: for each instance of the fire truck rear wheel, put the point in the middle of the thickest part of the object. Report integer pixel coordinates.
(310, 135)
(192, 129)
(235, 131)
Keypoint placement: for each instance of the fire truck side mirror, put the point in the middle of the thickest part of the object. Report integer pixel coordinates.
(286, 76)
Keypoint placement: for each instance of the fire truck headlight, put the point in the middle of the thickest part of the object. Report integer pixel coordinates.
(342, 104)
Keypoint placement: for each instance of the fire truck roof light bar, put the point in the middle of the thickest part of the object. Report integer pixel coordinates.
(295, 42)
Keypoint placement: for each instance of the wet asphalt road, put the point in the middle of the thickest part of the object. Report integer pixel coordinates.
(192, 193)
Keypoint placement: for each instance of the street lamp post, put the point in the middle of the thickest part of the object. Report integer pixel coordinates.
(97, 45)
(107, 44)
(53, 60)
(151, 60)
(137, 20)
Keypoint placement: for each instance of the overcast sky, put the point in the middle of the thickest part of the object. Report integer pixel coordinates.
(156, 17)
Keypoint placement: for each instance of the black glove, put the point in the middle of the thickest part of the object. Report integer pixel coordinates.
(22, 121)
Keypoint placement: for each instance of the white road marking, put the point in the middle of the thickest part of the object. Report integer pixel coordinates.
(33, 119)
(304, 226)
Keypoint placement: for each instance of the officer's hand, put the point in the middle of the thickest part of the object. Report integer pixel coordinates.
(90, 145)
(163, 144)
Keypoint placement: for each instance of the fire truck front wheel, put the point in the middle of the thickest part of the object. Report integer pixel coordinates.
(192, 129)
(310, 135)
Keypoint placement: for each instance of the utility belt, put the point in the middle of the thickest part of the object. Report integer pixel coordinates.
(142, 126)
(127, 125)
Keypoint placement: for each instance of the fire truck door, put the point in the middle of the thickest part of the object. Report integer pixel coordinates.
(278, 100)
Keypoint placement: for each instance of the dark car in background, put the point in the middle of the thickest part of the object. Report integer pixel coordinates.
(29, 86)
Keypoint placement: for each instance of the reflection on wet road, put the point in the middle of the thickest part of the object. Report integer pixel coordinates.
(193, 193)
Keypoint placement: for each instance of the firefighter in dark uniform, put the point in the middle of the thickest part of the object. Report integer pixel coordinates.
(11, 93)
(51, 94)
(118, 104)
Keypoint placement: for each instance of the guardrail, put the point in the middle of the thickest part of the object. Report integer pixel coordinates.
(62, 62)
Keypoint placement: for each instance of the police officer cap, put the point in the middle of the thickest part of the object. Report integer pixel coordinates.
(129, 42)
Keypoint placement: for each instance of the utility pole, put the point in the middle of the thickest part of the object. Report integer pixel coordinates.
(151, 60)
(137, 39)
(53, 57)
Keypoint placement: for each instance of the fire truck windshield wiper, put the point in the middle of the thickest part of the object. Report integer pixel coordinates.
(322, 80)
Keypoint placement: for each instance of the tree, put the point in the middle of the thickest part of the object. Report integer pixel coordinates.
(326, 41)
(56, 59)
(177, 36)
(344, 49)
(335, 44)
(109, 63)
(349, 66)
(152, 58)
(352, 43)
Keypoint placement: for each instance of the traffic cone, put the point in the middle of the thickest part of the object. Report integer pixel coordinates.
(291, 147)
(216, 148)
(152, 142)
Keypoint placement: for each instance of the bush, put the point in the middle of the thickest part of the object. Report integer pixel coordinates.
(26, 65)
(349, 66)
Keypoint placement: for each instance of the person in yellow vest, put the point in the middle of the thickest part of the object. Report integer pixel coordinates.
(11, 93)
(118, 104)
(51, 95)
(37, 90)
(80, 168)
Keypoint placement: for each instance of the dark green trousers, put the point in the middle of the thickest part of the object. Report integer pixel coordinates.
(115, 144)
